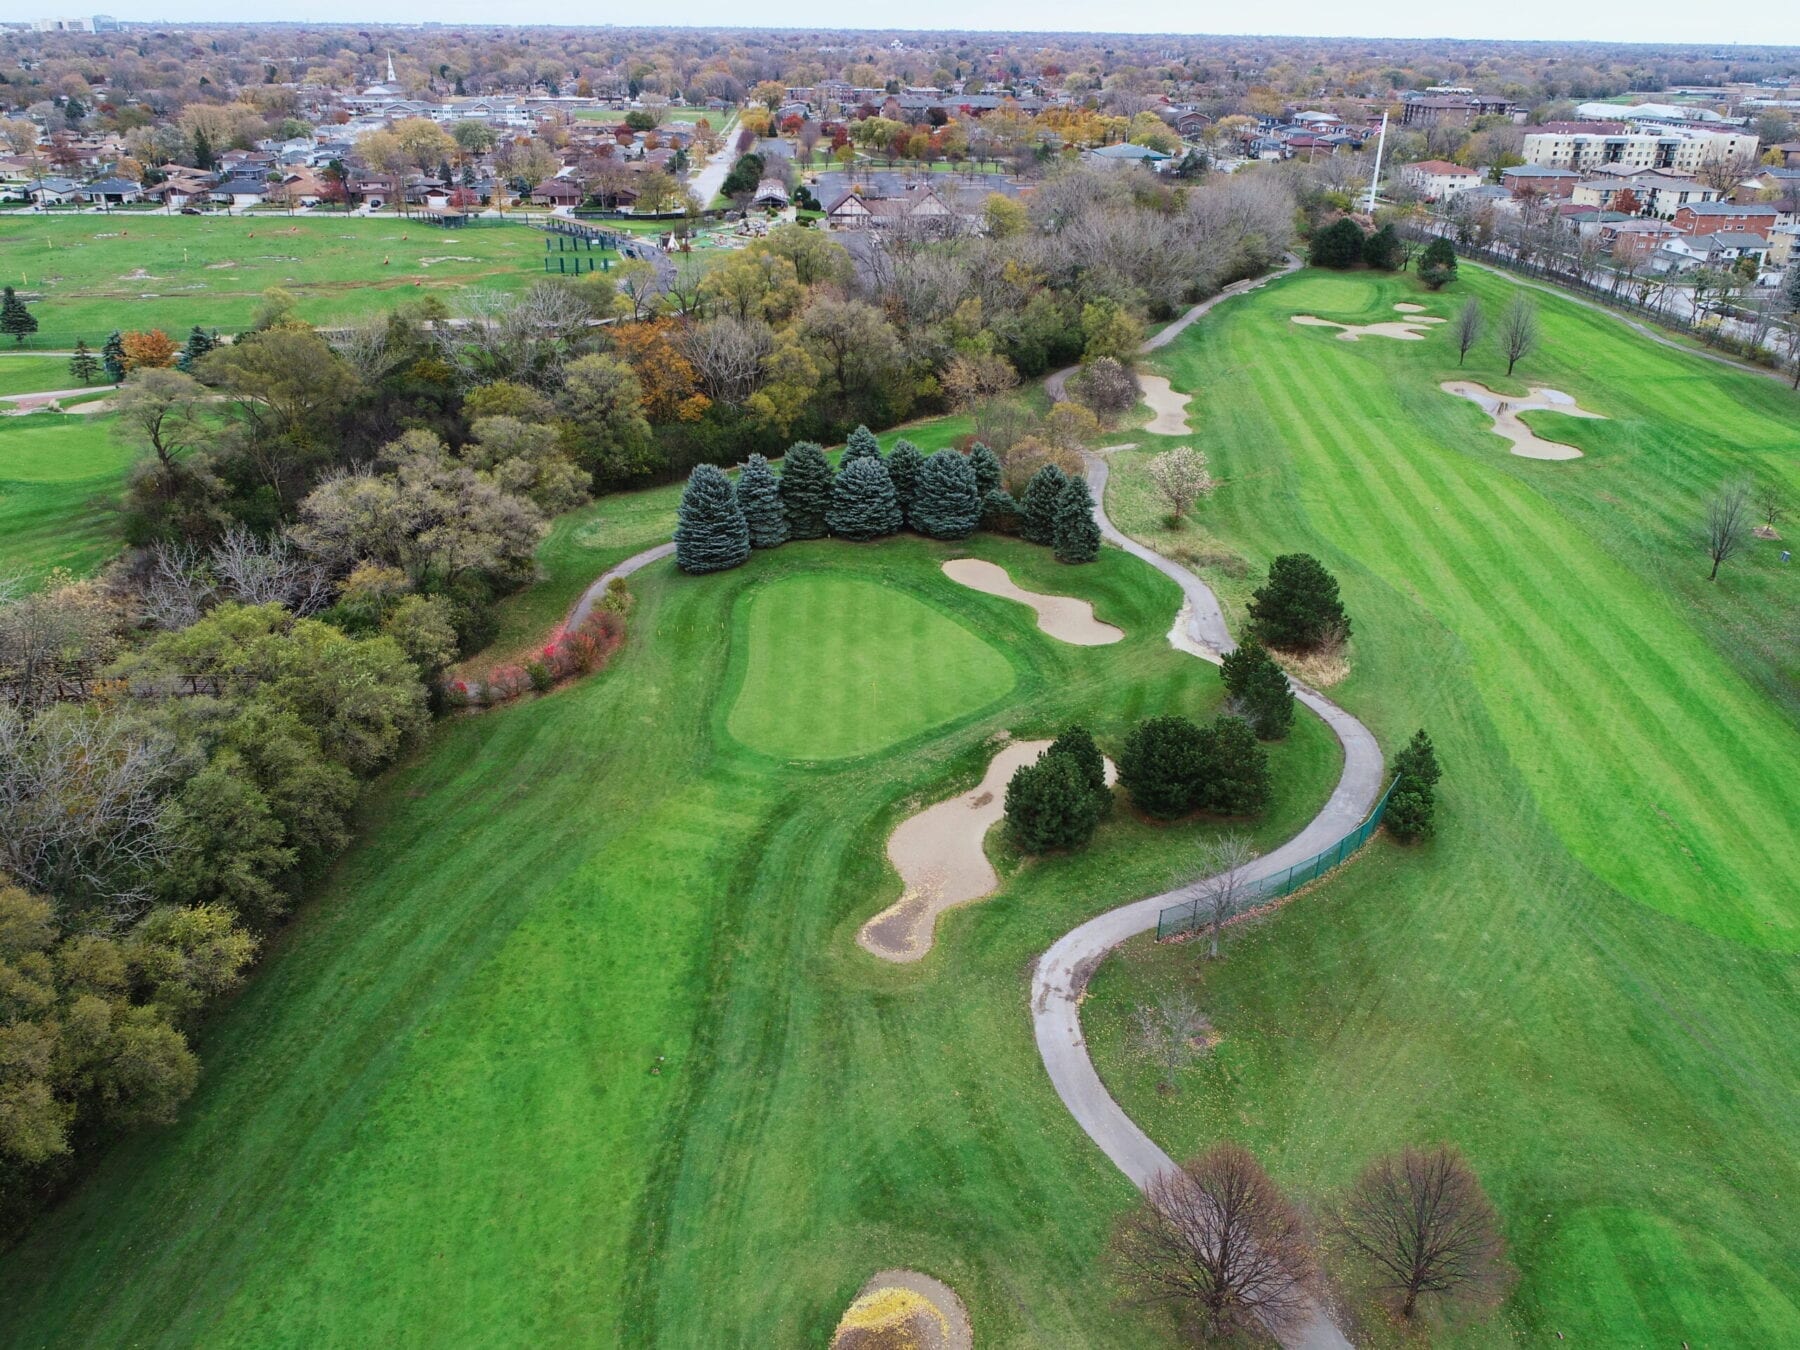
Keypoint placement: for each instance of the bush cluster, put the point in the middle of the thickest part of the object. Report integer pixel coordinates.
(1058, 801)
(1173, 767)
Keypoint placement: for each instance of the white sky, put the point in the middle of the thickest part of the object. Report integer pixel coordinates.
(1658, 21)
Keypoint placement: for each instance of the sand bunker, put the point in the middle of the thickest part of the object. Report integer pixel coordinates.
(1405, 308)
(939, 856)
(1061, 616)
(1170, 407)
(1505, 411)
(904, 1310)
(1402, 330)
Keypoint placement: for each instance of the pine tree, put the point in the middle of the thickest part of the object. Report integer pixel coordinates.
(1161, 766)
(1298, 608)
(1077, 536)
(999, 512)
(986, 464)
(759, 495)
(16, 321)
(861, 445)
(805, 490)
(1037, 522)
(710, 532)
(112, 356)
(1078, 745)
(203, 152)
(199, 343)
(1412, 807)
(1382, 249)
(904, 462)
(83, 365)
(1339, 244)
(1259, 688)
(1437, 265)
(1049, 805)
(947, 505)
(862, 502)
(1235, 769)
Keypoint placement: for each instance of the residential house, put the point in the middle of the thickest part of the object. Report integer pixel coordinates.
(54, 191)
(1436, 179)
(1684, 253)
(1544, 182)
(241, 190)
(554, 192)
(1703, 218)
(1123, 155)
(1784, 246)
(113, 191)
(1636, 239)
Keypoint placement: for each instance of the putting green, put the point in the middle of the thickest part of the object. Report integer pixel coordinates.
(838, 666)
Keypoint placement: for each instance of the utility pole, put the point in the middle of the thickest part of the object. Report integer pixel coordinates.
(1380, 146)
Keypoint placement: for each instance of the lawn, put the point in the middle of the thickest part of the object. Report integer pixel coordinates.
(1588, 980)
(91, 274)
(576, 1046)
(34, 374)
(60, 480)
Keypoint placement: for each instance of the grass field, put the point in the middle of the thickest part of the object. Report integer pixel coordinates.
(31, 374)
(60, 478)
(95, 274)
(576, 1045)
(1589, 979)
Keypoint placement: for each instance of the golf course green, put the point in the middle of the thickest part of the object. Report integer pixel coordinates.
(61, 476)
(576, 1045)
(1588, 981)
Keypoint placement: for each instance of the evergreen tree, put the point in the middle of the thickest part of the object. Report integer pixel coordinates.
(1437, 265)
(1079, 746)
(1235, 769)
(1298, 608)
(999, 512)
(904, 462)
(1037, 514)
(199, 343)
(710, 532)
(759, 496)
(1382, 250)
(83, 365)
(987, 468)
(203, 152)
(112, 356)
(947, 505)
(1412, 807)
(1339, 244)
(861, 445)
(16, 321)
(1260, 689)
(1077, 536)
(1049, 805)
(1161, 766)
(805, 490)
(862, 502)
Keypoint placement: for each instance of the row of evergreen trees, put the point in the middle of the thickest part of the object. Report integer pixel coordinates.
(946, 495)
(84, 365)
(1058, 802)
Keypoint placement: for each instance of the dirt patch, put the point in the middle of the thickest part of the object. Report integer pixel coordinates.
(219, 266)
(1766, 532)
(448, 257)
(1169, 406)
(1505, 411)
(1401, 330)
(939, 856)
(99, 405)
(139, 275)
(1061, 616)
(904, 1310)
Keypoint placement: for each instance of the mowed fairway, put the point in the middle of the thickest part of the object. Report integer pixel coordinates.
(60, 480)
(87, 275)
(576, 1047)
(838, 666)
(1589, 980)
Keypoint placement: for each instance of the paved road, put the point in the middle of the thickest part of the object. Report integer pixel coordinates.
(594, 593)
(711, 178)
(45, 395)
(1062, 973)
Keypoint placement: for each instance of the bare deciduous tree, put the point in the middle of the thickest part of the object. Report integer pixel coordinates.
(1216, 1239)
(1727, 514)
(50, 635)
(1181, 478)
(727, 355)
(1771, 503)
(1223, 888)
(1173, 1032)
(176, 588)
(1469, 323)
(1518, 331)
(1421, 1219)
(269, 571)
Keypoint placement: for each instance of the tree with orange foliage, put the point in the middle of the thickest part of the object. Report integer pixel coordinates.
(671, 385)
(154, 349)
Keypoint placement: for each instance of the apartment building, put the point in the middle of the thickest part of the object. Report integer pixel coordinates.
(1682, 150)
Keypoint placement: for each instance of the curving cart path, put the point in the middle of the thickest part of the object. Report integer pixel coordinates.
(1060, 977)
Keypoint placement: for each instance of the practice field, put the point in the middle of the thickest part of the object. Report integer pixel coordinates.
(838, 666)
(60, 480)
(87, 275)
(577, 1042)
(1588, 980)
